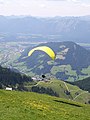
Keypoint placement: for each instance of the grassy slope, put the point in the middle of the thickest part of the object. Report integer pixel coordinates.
(59, 87)
(32, 106)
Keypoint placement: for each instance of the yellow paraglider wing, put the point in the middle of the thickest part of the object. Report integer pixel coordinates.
(46, 49)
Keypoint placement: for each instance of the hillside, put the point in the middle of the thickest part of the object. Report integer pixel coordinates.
(72, 61)
(9, 78)
(61, 89)
(32, 106)
(83, 84)
(30, 28)
(53, 87)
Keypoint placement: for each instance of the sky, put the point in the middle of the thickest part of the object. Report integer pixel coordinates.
(45, 8)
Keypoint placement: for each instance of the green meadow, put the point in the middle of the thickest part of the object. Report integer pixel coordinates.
(61, 88)
(16, 105)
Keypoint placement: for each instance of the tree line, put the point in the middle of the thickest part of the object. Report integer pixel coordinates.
(11, 78)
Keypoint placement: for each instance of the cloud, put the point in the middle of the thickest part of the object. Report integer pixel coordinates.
(85, 5)
(65, 0)
(42, 5)
(74, 1)
(1, 2)
(56, 0)
(45, 7)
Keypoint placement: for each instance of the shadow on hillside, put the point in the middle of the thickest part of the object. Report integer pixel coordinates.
(77, 105)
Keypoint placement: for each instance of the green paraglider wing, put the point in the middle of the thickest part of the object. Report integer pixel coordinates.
(46, 49)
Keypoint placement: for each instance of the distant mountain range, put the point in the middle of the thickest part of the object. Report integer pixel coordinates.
(72, 61)
(27, 28)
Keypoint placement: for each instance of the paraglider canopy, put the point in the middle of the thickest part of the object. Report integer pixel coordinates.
(46, 49)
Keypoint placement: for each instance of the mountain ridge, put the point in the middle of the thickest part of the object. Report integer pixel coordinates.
(72, 61)
(75, 29)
